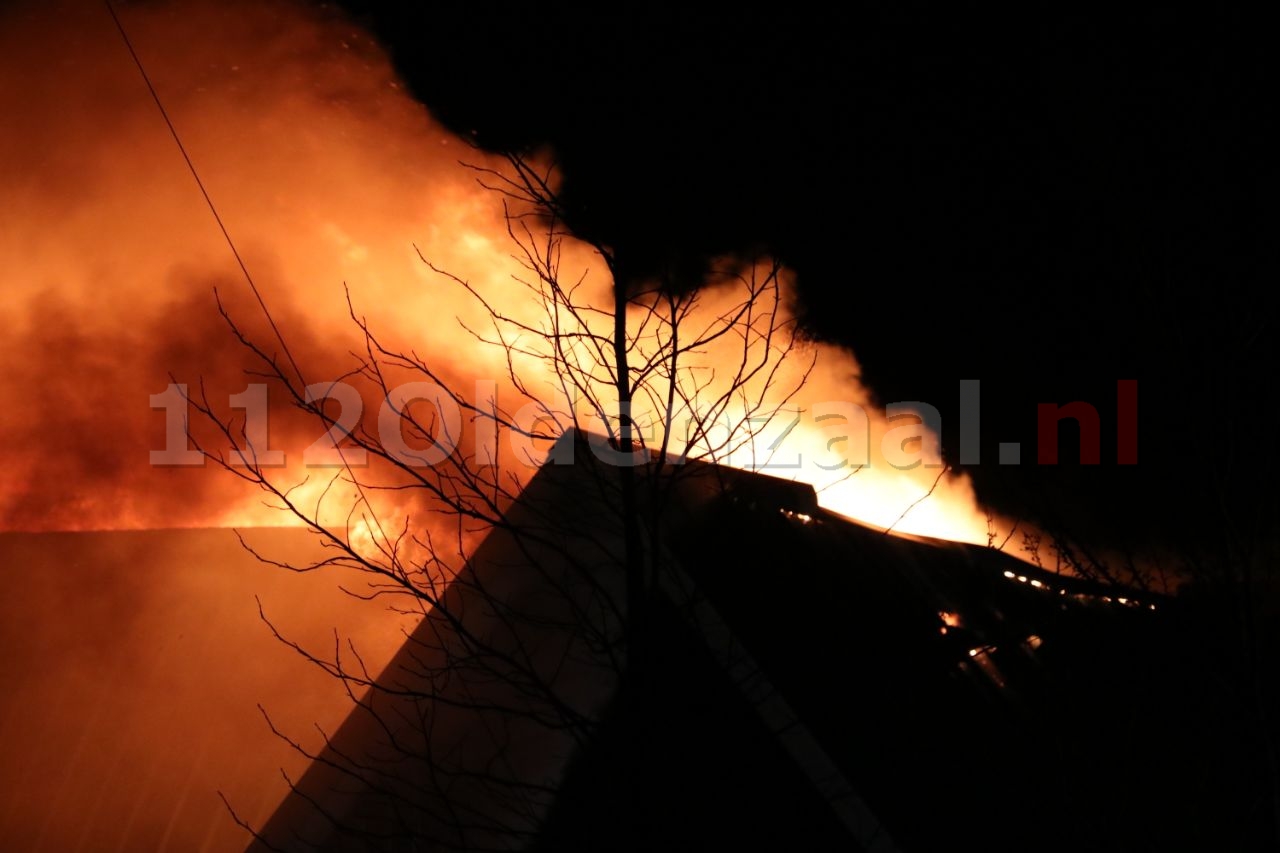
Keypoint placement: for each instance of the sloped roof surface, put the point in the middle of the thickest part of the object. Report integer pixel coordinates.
(961, 696)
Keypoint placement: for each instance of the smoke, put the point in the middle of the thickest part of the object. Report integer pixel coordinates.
(129, 701)
(325, 175)
(328, 177)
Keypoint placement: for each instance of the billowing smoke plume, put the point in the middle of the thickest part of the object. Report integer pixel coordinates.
(327, 176)
(323, 172)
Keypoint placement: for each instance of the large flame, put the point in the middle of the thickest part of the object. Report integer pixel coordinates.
(327, 175)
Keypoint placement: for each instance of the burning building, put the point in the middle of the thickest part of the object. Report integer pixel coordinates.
(816, 680)
(810, 680)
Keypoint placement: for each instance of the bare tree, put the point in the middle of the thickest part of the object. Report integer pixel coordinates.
(525, 637)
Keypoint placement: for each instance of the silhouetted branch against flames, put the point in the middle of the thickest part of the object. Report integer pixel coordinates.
(695, 375)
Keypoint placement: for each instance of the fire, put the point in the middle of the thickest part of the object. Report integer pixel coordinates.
(328, 176)
(913, 494)
(322, 169)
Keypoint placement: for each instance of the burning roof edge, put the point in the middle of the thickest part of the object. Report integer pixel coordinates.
(554, 493)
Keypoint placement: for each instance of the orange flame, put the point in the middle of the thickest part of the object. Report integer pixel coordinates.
(327, 174)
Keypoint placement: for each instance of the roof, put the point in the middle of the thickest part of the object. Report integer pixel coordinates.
(819, 684)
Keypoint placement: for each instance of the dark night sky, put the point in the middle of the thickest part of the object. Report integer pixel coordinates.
(1047, 204)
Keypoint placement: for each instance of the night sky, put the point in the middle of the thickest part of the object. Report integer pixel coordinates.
(1043, 202)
